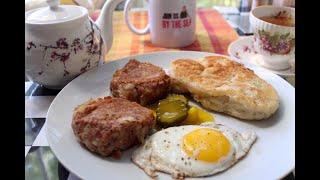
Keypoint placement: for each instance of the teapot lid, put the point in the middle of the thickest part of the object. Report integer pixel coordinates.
(55, 13)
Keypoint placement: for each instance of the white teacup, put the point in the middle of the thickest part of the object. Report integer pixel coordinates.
(171, 22)
(276, 43)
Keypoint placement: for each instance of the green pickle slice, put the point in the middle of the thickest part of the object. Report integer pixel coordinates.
(177, 97)
(171, 112)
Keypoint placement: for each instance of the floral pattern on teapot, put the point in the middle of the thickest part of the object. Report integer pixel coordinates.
(63, 49)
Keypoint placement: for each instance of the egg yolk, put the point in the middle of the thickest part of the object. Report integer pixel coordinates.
(206, 145)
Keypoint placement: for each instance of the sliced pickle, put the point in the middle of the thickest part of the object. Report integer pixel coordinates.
(171, 112)
(177, 97)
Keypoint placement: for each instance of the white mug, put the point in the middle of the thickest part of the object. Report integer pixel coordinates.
(171, 22)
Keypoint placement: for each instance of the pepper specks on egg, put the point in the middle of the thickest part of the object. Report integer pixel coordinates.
(200, 161)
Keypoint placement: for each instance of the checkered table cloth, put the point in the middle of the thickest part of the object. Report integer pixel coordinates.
(213, 35)
(40, 162)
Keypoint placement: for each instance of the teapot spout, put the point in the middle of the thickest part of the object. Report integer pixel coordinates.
(104, 22)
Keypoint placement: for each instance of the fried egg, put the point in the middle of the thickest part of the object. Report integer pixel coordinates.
(193, 150)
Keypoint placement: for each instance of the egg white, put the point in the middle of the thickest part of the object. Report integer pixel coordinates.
(162, 152)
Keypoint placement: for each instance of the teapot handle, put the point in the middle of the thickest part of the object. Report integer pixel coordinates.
(104, 22)
(127, 7)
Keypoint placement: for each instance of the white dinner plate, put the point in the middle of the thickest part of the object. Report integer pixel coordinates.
(271, 157)
(243, 51)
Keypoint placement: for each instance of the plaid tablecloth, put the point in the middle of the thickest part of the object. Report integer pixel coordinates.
(213, 34)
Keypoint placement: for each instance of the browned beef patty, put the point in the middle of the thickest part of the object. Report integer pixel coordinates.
(143, 83)
(108, 125)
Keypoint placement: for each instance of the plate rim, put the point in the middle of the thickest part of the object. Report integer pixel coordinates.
(126, 58)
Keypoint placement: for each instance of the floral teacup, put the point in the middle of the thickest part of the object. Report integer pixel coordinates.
(276, 43)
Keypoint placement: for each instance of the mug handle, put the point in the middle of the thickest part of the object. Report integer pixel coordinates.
(127, 7)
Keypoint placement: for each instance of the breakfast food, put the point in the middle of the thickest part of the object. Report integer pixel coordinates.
(140, 82)
(175, 110)
(172, 110)
(193, 150)
(197, 116)
(108, 125)
(174, 97)
(225, 86)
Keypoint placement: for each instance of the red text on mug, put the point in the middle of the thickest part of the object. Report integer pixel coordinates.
(176, 20)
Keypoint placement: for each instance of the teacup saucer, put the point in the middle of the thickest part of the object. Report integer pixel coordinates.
(242, 49)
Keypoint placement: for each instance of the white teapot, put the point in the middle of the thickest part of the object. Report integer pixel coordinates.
(61, 42)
